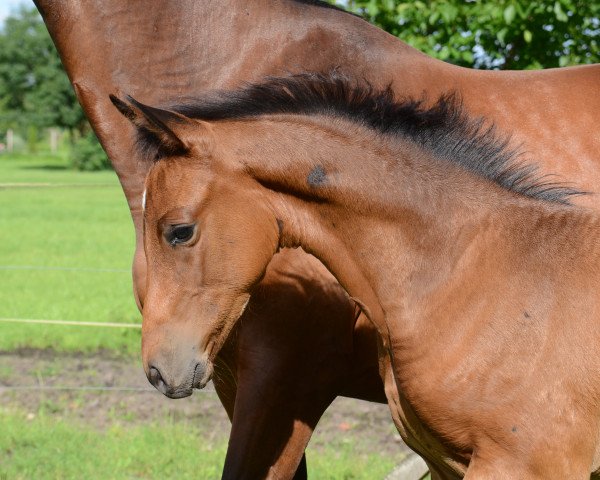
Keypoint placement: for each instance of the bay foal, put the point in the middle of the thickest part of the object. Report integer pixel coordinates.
(183, 48)
(479, 279)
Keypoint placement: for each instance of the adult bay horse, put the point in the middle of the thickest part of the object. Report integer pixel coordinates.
(481, 280)
(179, 49)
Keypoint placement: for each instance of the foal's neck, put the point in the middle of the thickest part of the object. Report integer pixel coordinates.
(387, 218)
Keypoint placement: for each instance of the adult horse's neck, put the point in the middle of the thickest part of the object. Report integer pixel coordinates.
(171, 50)
(178, 49)
(393, 223)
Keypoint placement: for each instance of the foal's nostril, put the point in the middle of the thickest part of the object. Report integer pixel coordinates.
(156, 379)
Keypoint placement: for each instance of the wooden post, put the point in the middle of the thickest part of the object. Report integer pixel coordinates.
(53, 140)
(10, 140)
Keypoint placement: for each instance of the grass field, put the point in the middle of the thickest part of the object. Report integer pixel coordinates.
(67, 243)
(66, 246)
(52, 449)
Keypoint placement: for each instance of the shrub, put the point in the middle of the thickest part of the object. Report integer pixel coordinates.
(87, 154)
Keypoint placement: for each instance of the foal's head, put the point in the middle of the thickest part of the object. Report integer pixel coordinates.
(200, 221)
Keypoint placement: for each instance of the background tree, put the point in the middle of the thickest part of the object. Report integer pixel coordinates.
(34, 89)
(36, 93)
(511, 34)
(507, 34)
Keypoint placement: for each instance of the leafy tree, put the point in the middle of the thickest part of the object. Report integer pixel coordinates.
(508, 34)
(34, 89)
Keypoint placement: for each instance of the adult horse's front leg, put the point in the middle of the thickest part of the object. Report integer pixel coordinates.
(271, 424)
(258, 434)
(255, 390)
(294, 350)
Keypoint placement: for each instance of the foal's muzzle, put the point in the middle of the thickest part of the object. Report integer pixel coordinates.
(179, 384)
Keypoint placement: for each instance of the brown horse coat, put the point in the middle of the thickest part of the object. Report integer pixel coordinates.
(481, 282)
(286, 370)
(177, 49)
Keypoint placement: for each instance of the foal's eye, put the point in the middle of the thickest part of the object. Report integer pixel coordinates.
(179, 234)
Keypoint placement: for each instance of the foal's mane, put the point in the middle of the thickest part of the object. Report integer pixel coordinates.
(443, 128)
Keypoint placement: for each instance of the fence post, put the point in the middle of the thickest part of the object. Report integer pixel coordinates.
(10, 140)
(53, 140)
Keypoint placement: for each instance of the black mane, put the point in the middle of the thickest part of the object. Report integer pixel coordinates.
(444, 128)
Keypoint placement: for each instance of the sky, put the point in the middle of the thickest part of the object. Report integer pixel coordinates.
(9, 6)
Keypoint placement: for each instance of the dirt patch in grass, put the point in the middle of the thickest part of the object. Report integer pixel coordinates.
(367, 426)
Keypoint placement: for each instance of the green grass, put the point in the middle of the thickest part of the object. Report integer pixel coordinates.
(46, 168)
(339, 462)
(47, 448)
(44, 447)
(83, 225)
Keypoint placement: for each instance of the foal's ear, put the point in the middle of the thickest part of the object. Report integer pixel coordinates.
(171, 132)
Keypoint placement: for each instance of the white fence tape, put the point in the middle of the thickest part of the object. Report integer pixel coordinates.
(65, 269)
(71, 323)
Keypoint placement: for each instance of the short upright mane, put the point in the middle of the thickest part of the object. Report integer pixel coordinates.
(443, 128)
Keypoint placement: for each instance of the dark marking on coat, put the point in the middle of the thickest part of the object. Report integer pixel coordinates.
(280, 226)
(317, 177)
(526, 315)
(514, 429)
